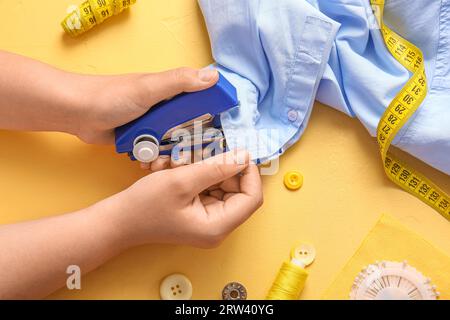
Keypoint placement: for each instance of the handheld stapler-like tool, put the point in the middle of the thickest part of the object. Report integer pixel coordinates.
(151, 135)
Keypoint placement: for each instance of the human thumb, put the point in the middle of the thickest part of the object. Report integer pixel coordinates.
(165, 85)
(202, 175)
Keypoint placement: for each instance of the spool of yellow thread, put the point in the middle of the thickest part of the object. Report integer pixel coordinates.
(291, 278)
(91, 13)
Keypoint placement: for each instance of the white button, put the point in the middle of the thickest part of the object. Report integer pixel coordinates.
(304, 253)
(176, 287)
(292, 115)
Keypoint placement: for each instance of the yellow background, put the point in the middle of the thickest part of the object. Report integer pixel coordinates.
(344, 193)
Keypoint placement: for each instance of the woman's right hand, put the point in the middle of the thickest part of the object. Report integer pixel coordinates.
(197, 204)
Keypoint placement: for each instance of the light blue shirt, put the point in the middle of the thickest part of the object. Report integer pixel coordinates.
(281, 55)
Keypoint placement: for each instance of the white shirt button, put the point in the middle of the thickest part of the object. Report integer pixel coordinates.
(176, 287)
(292, 115)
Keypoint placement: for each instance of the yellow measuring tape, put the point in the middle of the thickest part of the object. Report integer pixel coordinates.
(400, 110)
(91, 13)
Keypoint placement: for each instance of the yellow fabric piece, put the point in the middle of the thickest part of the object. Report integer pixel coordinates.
(389, 240)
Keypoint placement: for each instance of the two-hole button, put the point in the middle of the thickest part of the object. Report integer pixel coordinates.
(304, 253)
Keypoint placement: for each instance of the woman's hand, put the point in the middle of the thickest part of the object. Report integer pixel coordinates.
(195, 205)
(111, 101)
(198, 204)
(38, 97)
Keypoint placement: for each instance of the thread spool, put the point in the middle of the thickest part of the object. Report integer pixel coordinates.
(289, 282)
(291, 278)
(90, 13)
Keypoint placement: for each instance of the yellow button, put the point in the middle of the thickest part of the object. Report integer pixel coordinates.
(293, 180)
(176, 287)
(304, 253)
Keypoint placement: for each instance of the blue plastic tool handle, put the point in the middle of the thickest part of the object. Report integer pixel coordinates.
(177, 111)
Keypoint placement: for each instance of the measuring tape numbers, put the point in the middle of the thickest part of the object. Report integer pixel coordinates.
(91, 13)
(399, 111)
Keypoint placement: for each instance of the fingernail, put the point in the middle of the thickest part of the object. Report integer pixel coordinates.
(207, 74)
(241, 157)
(181, 162)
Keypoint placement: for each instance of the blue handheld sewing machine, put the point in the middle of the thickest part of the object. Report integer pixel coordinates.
(151, 135)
